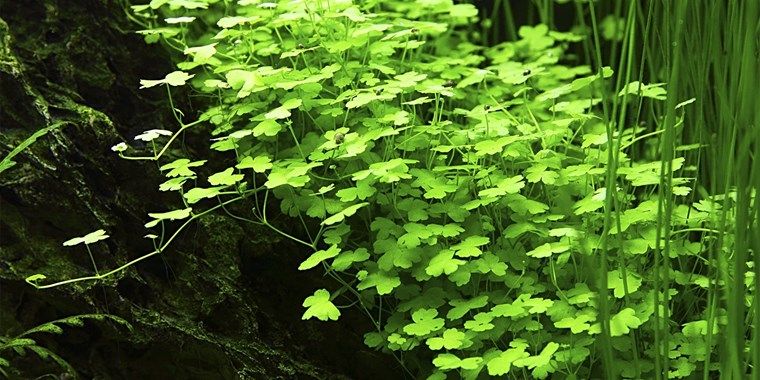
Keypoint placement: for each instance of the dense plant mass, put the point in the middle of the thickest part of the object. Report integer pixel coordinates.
(477, 202)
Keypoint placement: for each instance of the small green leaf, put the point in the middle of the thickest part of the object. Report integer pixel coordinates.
(345, 213)
(318, 257)
(622, 322)
(425, 322)
(373, 339)
(547, 249)
(447, 361)
(320, 306)
(90, 238)
(591, 203)
(450, 340)
(233, 21)
(225, 178)
(268, 127)
(451, 361)
(170, 215)
(502, 364)
(481, 322)
(181, 167)
(654, 90)
(362, 191)
(201, 53)
(539, 360)
(469, 247)
(197, 193)
(259, 164)
(509, 310)
(348, 258)
(173, 184)
(615, 282)
(34, 278)
(382, 281)
(278, 113)
(505, 186)
(576, 324)
(443, 262)
(462, 306)
(179, 20)
(176, 78)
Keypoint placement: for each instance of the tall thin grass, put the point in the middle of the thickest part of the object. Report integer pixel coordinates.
(709, 51)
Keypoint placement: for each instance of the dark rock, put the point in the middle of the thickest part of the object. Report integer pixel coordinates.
(223, 303)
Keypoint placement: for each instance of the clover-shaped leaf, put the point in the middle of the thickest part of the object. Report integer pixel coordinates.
(169, 215)
(201, 53)
(197, 193)
(450, 340)
(480, 322)
(654, 90)
(462, 306)
(318, 257)
(547, 249)
(577, 324)
(346, 259)
(491, 263)
(511, 310)
(425, 322)
(173, 184)
(362, 191)
(615, 282)
(698, 328)
(469, 247)
(502, 364)
(319, 305)
(622, 322)
(681, 367)
(343, 214)
(539, 360)
(283, 111)
(90, 238)
(176, 78)
(233, 21)
(373, 339)
(152, 134)
(591, 203)
(225, 178)
(443, 262)
(181, 167)
(382, 281)
(259, 164)
(505, 186)
(536, 36)
(451, 361)
(580, 294)
(270, 127)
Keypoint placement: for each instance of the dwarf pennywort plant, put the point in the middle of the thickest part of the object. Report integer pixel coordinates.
(454, 192)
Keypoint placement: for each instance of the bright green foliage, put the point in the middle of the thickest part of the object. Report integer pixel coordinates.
(320, 306)
(169, 215)
(90, 238)
(477, 202)
(176, 78)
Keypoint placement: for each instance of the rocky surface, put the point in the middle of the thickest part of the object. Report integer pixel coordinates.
(224, 303)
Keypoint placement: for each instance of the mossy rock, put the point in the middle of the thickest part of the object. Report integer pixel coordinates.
(224, 303)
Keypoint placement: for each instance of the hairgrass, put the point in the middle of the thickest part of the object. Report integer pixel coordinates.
(707, 51)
